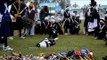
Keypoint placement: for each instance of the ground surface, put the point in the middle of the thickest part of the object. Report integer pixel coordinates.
(65, 43)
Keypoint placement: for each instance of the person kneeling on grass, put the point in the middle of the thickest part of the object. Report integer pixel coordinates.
(53, 33)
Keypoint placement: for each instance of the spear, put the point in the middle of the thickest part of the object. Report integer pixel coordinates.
(18, 7)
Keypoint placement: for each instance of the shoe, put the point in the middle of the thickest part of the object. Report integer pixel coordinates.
(25, 35)
(22, 37)
(7, 48)
(66, 34)
(87, 34)
(56, 38)
(11, 38)
(96, 38)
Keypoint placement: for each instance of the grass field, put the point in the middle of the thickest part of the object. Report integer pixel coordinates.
(65, 43)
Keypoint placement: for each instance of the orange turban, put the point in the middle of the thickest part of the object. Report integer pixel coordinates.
(31, 5)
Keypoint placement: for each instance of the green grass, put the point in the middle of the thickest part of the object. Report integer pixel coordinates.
(65, 43)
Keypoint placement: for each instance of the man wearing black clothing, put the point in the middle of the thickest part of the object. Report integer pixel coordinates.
(18, 10)
(66, 21)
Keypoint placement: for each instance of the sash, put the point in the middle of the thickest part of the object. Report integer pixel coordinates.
(1, 17)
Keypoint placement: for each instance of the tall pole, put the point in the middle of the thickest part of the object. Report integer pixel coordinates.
(18, 7)
(50, 6)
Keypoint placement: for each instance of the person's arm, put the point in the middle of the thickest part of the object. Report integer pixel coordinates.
(12, 11)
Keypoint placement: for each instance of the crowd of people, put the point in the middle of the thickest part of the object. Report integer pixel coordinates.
(28, 21)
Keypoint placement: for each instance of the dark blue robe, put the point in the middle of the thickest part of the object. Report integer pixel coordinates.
(5, 24)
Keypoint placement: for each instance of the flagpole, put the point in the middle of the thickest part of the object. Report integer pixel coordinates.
(19, 7)
(50, 6)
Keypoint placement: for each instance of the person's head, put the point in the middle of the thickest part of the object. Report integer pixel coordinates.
(45, 7)
(23, 1)
(31, 5)
(93, 3)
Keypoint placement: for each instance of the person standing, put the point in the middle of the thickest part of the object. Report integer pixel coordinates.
(18, 10)
(30, 16)
(5, 23)
(66, 21)
(43, 13)
(92, 19)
